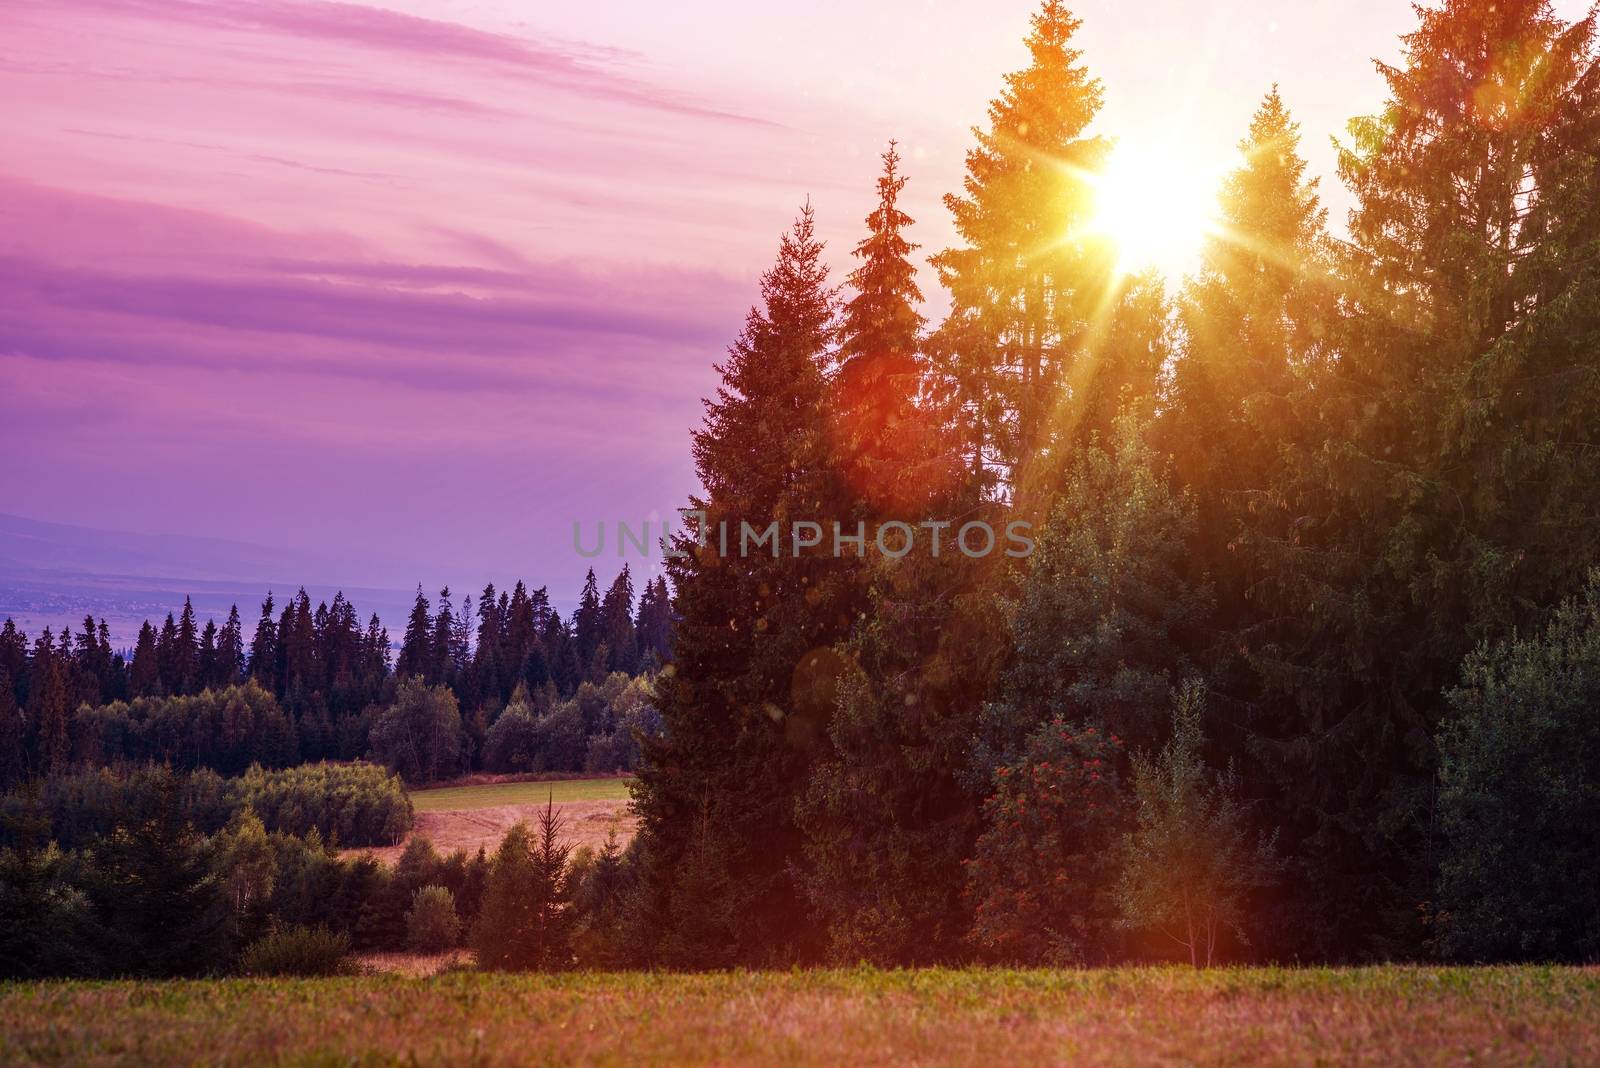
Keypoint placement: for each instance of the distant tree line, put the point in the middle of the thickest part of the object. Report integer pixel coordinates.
(312, 684)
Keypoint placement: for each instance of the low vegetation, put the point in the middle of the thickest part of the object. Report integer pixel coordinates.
(1376, 1016)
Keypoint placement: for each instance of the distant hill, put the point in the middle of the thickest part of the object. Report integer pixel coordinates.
(54, 573)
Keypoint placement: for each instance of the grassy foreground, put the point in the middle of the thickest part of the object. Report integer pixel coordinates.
(1364, 1016)
(493, 795)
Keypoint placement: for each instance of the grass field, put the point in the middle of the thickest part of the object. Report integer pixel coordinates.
(476, 815)
(494, 795)
(1379, 1016)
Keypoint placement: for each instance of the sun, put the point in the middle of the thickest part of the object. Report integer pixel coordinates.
(1155, 204)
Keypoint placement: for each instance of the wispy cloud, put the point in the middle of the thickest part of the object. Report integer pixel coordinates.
(578, 69)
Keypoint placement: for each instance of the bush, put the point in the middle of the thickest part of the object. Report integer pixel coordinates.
(298, 951)
(1518, 795)
(1192, 863)
(432, 925)
(355, 804)
(1040, 878)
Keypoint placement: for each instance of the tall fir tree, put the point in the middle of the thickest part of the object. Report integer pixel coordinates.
(264, 649)
(616, 615)
(48, 714)
(416, 648)
(1021, 290)
(1437, 499)
(588, 625)
(746, 707)
(13, 736)
(144, 674)
(1259, 320)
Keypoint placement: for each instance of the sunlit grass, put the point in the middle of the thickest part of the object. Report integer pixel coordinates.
(493, 795)
(1375, 1016)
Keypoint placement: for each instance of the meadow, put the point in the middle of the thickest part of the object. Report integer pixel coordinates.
(476, 815)
(1385, 1015)
(497, 794)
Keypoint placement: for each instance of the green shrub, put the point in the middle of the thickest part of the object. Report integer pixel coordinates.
(432, 925)
(1519, 798)
(298, 951)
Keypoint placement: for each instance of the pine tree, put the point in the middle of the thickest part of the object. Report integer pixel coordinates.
(488, 654)
(1021, 286)
(264, 649)
(48, 714)
(1440, 494)
(525, 921)
(416, 648)
(588, 624)
(13, 736)
(442, 658)
(654, 623)
(162, 909)
(186, 653)
(746, 707)
(206, 664)
(1102, 612)
(144, 674)
(616, 615)
(891, 451)
(1259, 320)
(14, 654)
(167, 654)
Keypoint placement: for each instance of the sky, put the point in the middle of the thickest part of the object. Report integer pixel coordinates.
(417, 286)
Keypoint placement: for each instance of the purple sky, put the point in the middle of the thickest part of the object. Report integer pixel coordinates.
(429, 281)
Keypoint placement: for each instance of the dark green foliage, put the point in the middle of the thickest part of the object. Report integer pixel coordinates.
(1191, 865)
(420, 736)
(1441, 493)
(432, 925)
(162, 910)
(888, 819)
(1099, 618)
(297, 951)
(225, 730)
(746, 706)
(526, 920)
(13, 735)
(1519, 795)
(602, 883)
(1042, 868)
(46, 927)
(357, 804)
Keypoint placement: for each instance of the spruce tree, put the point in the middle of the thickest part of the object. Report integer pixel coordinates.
(588, 624)
(144, 674)
(186, 653)
(1442, 493)
(1259, 320)
(1022, 286)
(13, 736)
(416, 648)
(746, 706)
(206, 663)
(48, 714)
(163, 911)
(654, 624)
(264, 649)
(616, 614)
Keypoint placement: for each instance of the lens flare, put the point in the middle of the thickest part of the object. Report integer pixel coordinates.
(1155, 204)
